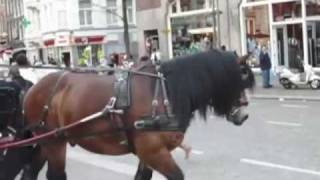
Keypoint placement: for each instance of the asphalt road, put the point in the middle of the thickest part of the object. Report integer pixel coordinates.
(280, 141)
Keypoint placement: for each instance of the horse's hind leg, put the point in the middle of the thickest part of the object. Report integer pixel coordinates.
(162, 161)
(32, 169)
(11, 165)
(143, 172)
(56, 156)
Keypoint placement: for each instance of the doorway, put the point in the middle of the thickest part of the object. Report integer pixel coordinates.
(66, 59)
(289, 45)
(282, 45)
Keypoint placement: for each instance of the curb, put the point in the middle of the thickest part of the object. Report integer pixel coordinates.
(283, 98)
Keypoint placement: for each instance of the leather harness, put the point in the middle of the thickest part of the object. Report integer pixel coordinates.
(155, 122)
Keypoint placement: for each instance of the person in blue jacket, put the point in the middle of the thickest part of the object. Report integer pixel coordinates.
(265, 65)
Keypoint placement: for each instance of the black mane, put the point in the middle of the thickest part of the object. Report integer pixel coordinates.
(209, 80)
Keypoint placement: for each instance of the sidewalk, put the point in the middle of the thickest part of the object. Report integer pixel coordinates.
(279, 93)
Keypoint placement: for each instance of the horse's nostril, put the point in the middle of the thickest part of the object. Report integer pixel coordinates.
(245, 103)
(245, 117)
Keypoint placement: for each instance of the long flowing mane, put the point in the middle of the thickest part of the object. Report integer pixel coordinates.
(209, 80)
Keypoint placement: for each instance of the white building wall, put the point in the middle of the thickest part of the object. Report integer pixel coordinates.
(32, 38)
(51, 27)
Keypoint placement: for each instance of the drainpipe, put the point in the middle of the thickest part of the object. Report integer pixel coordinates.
(166, 19)
(219, 24)
(229, 23)
(214, 35)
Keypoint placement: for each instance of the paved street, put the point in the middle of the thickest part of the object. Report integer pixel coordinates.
(279, 142)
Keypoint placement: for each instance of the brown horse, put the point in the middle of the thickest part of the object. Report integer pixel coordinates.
(211, 80)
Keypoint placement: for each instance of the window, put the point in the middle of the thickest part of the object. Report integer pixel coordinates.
(287, 10)
(62, 20)
(189, 5)
(130, 11)
(174, 8)
(85, 12)
(112, 18)
(313, 7)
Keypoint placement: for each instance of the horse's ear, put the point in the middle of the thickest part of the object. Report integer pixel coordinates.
(243, 59)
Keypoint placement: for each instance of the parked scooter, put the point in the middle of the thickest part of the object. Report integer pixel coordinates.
(307, 76)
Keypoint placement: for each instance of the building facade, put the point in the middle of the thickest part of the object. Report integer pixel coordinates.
(85, 32)
(32, 30)
(289, 28)
(181, 27)
(11, 23)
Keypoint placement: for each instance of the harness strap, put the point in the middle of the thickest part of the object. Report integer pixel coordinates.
(166, 99)
(155, 102)
(46, 107)
(160, 83)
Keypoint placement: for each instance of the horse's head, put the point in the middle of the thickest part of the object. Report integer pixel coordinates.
(237, 115)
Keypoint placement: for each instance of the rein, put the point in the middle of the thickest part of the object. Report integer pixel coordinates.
(104, 70)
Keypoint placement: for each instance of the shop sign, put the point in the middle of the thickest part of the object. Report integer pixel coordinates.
(49, 42)
(63, 40)
(89, 40)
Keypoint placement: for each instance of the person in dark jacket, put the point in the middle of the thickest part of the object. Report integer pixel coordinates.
(265, 65)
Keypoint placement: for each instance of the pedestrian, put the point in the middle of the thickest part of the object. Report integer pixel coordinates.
(114, 60)
(265, 65)
(14, 74)
(223, 48)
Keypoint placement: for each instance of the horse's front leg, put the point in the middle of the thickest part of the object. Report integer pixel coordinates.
(153, 150)
(56, 156)
(143, 172)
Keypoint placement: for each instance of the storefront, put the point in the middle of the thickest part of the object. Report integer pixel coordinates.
(190, 25)
(79, 50)
(290, 29)
(89, 50)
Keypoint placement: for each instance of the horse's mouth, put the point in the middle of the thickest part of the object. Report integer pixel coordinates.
(237, 116)
(241, 121)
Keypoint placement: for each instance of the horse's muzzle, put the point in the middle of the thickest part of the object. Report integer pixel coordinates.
(237, 116)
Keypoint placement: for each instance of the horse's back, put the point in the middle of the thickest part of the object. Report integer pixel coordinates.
(37, 95)
(71, 97)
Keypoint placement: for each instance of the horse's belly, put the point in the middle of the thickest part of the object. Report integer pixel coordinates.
(105, 145)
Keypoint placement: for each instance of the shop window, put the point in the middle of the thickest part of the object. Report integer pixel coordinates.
(53, 56)
(257, 32)
(285, 11)
(313, 7)
(189, 5)
(90, 55)
(295, 45)
(191, 34)
(314, 43)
